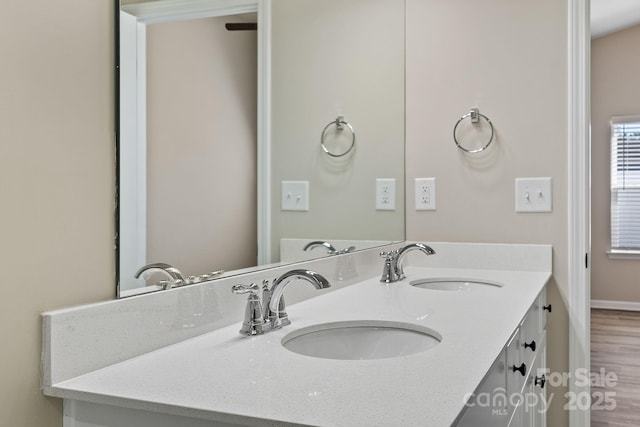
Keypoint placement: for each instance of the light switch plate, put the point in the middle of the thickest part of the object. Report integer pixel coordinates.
(533, 195)
(295, 195)
(386, 194)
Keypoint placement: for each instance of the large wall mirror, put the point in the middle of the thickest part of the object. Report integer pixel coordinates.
(223, 105)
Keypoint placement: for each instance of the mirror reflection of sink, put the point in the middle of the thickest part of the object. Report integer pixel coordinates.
(460, 285)
(361, 340)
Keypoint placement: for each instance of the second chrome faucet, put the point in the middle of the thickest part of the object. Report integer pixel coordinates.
(270, 313)
(393, 270)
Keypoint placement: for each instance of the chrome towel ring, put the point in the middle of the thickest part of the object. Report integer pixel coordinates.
(339, 123)
(475, 116)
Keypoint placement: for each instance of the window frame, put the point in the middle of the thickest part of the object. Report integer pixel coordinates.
(621, 186)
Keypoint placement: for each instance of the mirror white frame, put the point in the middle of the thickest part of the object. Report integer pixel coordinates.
(132, 201)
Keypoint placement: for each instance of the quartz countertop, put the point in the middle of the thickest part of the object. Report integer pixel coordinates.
(226, 377)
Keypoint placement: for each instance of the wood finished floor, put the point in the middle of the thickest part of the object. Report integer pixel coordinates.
(615, 347)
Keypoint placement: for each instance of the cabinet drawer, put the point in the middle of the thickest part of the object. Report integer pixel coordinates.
(516, 367)
(542, 303)
(530, 334)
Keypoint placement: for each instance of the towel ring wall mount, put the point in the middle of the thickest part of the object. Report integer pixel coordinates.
(474, 115)
(339, 124)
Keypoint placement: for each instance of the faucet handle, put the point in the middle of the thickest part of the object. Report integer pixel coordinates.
(252, 289)
(389, 274)
(389, 255)
(253, 323)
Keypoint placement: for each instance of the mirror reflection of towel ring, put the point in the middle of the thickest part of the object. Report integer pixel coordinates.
(475, 116)
(339, 124)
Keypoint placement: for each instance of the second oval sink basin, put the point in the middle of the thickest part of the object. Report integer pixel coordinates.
(461, 285)
(361, 340)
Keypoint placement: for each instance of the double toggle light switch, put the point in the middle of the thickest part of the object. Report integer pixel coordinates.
(533, 195)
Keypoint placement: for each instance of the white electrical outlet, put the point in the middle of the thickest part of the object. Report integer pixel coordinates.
(425, 190)
(386, 194)
(533, 195)
(295, 195)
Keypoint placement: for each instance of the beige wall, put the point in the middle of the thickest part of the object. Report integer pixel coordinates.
(508, 59)
(57, 155)
(322, 69)
(201, 145)
(615, 91)
(56, 182)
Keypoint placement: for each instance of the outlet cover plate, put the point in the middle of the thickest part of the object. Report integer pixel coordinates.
(385, 194)
(425, 192)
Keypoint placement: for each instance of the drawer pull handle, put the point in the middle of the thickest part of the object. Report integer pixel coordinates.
(547, 307)
(522, 369)
(540, 381)
(531, 345)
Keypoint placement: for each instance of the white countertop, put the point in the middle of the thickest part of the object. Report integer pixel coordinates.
(224, 376)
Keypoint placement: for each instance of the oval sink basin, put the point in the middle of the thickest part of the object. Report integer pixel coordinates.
(460, 285)
(361, 340)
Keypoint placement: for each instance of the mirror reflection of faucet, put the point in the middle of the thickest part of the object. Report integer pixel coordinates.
(176, 279)
(270, 313)
(331, 250)
(393, 269)
(345, 267)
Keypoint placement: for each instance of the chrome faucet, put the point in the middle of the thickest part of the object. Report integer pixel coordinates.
(393, 269)
(318, 243)
(175, 276)
(259, 320)
(331, 250)
(275, 308)
(346, 250)
(427, 250)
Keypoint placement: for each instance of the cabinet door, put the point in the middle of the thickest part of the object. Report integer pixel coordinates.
(533, 411)
(519, 417)
(529, 342)
(488, 406)
(516, 367)
(537, 389)
(532, 329)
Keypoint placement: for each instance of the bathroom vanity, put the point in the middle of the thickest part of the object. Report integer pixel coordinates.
(482, 306)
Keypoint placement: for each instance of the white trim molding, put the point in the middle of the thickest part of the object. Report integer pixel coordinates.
(155, 12)
(132, 204)
(615, 305)
(264, 132)
(133, 152)
(623, 254)
(579, 297)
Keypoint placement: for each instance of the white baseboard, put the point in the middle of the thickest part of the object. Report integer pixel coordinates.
(615, 305)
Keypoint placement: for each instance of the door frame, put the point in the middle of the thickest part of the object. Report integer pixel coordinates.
(132, 140)
(579, 207)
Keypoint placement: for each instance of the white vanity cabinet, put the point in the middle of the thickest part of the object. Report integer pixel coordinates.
(513, 392)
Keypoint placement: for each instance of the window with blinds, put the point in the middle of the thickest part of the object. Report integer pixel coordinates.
(625, 183)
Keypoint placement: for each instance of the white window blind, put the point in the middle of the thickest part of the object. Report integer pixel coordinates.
(625, 183)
